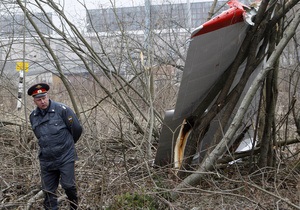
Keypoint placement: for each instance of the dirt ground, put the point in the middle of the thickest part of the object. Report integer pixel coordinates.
(112, 176)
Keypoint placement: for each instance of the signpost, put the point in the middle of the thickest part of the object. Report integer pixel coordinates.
(22, 66)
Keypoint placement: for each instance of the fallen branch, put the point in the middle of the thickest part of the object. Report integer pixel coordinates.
(40, 195)
(37, 196)
(237, 155)
(4, 123)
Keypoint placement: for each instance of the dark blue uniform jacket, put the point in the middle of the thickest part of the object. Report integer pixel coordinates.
(57, 130)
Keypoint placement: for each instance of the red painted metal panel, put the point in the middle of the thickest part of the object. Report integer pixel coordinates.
(231, 16)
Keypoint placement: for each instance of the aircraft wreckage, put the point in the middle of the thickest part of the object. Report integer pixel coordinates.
(212, 49)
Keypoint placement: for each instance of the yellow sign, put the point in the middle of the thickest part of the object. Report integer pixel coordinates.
(21, 65)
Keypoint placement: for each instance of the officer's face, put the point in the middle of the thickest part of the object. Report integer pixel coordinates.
(42, 102)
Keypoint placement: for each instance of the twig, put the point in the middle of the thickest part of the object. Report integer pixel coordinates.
(37, 196)
(274, 195)
(4, 123)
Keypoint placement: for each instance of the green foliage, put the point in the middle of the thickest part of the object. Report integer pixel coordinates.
(133, 201)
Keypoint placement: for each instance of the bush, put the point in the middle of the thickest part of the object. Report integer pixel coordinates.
(133, 201)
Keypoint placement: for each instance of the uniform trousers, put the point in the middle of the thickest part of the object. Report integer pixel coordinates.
(51, 177)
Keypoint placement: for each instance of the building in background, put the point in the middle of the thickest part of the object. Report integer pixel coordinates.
(12, 34)
(17, 34)
(164, 16)
(12, 25)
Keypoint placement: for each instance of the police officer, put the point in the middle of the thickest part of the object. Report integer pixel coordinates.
(57, 129)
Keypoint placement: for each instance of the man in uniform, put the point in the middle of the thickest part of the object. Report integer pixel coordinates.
(57, 129)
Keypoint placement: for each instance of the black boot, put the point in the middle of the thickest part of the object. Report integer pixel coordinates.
(72, 196)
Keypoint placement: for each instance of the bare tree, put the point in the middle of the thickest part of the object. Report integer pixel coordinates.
(120, 89)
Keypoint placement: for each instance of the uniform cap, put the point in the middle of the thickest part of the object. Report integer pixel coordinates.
(38, 90)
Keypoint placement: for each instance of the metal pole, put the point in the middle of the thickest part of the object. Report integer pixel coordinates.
(189, 15)
(147, 24)
(24, 59)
